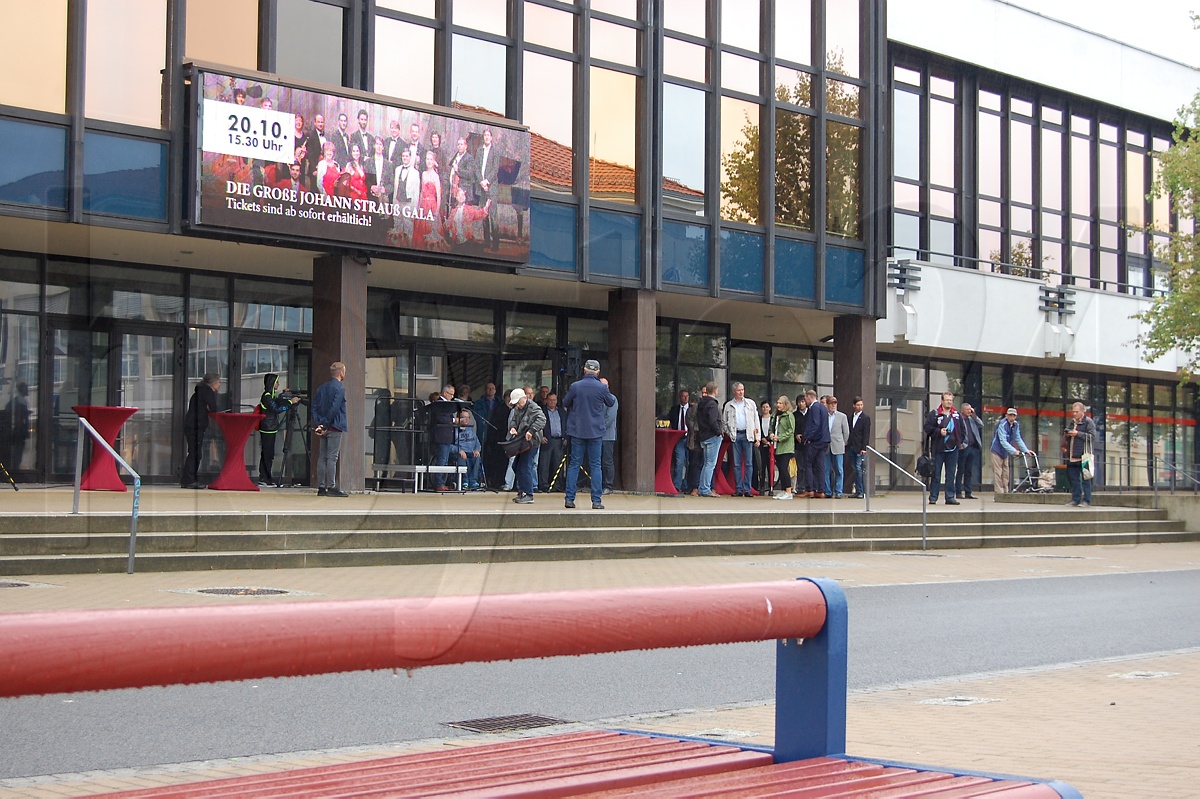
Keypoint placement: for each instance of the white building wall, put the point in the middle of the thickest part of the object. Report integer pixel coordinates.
(1018, 42)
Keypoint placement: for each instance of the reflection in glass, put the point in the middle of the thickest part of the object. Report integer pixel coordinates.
(941, 143)
(1021, 218)
(123, 176)
(795, 272)
(550, 27)
(906, 235)
(1052, 225)
(741, 261)
(906, 135)
(612, 135)
(114, 292)
(989, 154)
(685, 16)
(683, 149)
(793, 31)
(841, 38)
(739, 24)
(739, 74)
(1135, 189)
(1052, 169)
(614, 244)
(124, 83)
(941, 203)
(549, 93)
(684, 59)
(793, 86)
(552, 235)
(40, 60)
(308, 41)
(685, 254)
(842, 98)
(844, 275)
(1052, 263)
(793, 170)
(739, 160)
(613, 42)
(989, 213)
(906, 196)
(210, 37)
(482, 15)
(843, 156)
(1053, 116)
(1020, 153)
(941, 242)
(1081, 230)
(1106, 182)
(39, 176)
(478, 76)
(403, 60)
(283, 307)
(1081, 176)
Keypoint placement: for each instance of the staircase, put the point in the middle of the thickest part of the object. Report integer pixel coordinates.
(55, 543)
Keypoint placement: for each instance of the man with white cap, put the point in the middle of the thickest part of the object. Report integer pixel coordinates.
(527, 423)
(1006, 442)
(586, 403)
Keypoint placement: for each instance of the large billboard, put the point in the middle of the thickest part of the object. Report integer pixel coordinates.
(284, 162)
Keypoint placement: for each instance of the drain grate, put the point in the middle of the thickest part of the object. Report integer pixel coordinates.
(521, 721)
(13, 584)
(243, 591)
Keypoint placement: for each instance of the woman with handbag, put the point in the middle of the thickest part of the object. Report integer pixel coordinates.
(1078, 437)
(524, 436)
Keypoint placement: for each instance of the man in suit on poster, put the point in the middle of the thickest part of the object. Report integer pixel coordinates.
(415, 149)
(341, 141)
(488, 170)
(362, 137)
(394, 144)
(460, 175)
(381, 175)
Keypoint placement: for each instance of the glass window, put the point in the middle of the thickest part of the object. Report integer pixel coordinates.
(842, 98)
(904, 75)
(530, 329)
(1053, 116)
(420, 8)
(223, 32)
(1108, 132)
(741, 261)
(739, 160)
(684, 59)
(618, 8)
(404, 60)
(746, 360)
(612, 42)
(1051, 169)
(549, 91)
(114, 292)
(124, 83)
(793, 170)
(208, 301)
(447, 322)
(685, 16)
(552, 235)
(989, 154)
(906, 235)
(795, 269)
(550, 27)
(308, 41)
(39, 59)
(906, 135)
(19, 391)
(683, 156)
(39, 176)
(589, 333)
(479, 75)
(941, 242)
(740, 74)
(989, 100)
(20, 283)
(482, 15)
(739, 24)
(124, 176)
(685, 254)
(614, 244)
(942, 86)
(284, 307)
(1020, 154)
(793, 31)
(793, 86)
(906, 196)
(208, 351)
(1081, 176)
(702, 344)
(1106, 183)
(841, 38)
(942, 202)
(1135, 189)
(843, 155)
(941, 143)
(844, 275)
(612, 135)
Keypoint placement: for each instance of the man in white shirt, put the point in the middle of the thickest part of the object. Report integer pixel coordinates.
(740, 422)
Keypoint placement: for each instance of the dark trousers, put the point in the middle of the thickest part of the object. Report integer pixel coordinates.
(548, 465)
(607, 467)
(814, 465)
(266, 458)
(694, 464)
(1081, 490)
(968, 459)
(191, 462)
(949, 461)
(783, 462)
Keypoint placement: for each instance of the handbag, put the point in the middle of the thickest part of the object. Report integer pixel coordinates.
(1087, 462)
(925, 466)
(513, 447)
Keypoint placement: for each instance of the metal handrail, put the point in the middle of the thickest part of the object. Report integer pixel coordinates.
(1155, 460)
(918, 480)
(84, 424)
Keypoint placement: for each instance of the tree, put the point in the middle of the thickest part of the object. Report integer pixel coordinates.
(1174, 318)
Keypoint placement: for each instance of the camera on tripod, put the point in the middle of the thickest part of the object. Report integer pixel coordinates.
(290, 394)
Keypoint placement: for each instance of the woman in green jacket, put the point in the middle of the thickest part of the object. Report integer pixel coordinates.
(783, 434)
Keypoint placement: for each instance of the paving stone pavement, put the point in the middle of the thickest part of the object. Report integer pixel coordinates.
(1113, 728)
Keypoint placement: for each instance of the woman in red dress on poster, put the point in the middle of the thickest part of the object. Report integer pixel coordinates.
(428, 223)
(327, 170)
(358, 175)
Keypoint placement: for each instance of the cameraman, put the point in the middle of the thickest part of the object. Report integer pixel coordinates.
(271, 405)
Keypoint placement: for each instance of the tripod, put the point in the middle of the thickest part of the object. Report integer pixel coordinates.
(11, 482)
(285, 471)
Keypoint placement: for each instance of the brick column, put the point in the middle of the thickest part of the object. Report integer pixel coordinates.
(340, 334)
(632, 353)
(854, 369)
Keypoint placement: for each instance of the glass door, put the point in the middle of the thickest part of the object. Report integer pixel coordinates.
(149, 378)
(78, 370)
(899, 432)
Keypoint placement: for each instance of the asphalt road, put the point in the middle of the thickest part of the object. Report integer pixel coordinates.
(898, 634)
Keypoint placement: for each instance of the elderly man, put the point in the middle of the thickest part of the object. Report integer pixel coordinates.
(586, 403)
(740, 424)
(327, 414)
(553, 442)
(1078, 436)
(839, 434)
(969, 452)
(443, 420)
(1006, 442)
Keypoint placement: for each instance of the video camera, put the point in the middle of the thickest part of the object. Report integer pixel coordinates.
(289, 394)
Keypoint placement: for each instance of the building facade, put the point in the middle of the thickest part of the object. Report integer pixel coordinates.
(786, 193)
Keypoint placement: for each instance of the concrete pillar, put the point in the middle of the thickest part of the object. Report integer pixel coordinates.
(854, 370)
(340, 334)
(631, 353)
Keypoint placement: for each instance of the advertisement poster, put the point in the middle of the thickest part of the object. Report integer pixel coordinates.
(288, 162)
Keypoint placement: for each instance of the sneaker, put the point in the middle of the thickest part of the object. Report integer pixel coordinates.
(1087, 504)
(569, 504)
(707, 495)
(527, 499)
(608, 491)
(783, 496)
(1073, 504)
(322, 492)
(953, 501)
(595, 505)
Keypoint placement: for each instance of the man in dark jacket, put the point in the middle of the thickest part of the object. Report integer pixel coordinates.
(816, 445)
(327, 412)
(270, 405)
(969, 453)
(709, 433)
(856, 446)
(195, 424)
(586, 403)
(944, 431)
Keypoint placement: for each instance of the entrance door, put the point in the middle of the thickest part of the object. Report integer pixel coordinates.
(149, 376)
(259, 356)
(78, 370)
(899, 422)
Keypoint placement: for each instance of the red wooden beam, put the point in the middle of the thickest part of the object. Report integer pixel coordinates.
(69, 651)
